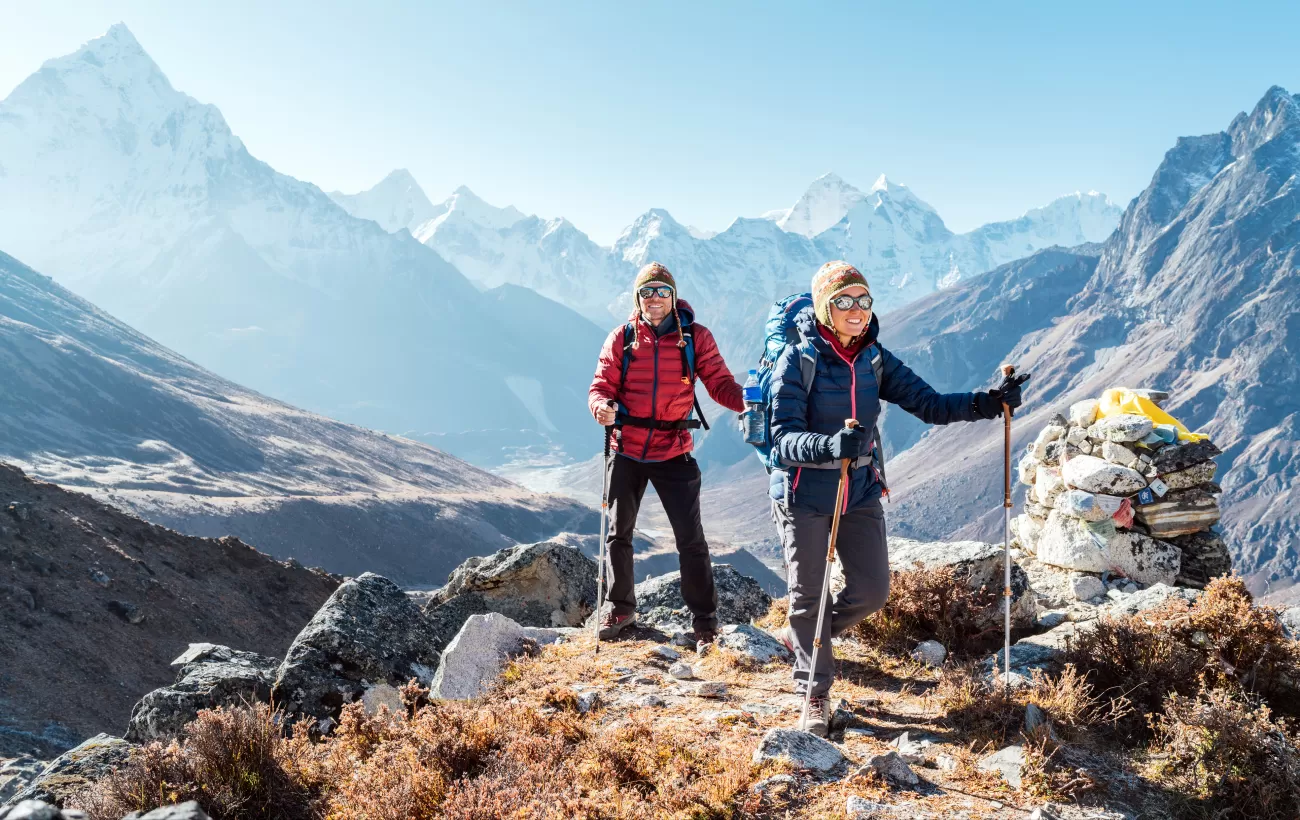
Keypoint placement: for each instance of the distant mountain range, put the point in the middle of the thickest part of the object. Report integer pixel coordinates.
(92, 405)
(732, 277)
(140, 198)
(1197, 292)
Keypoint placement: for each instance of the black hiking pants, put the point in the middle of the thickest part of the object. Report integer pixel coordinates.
(677, 481)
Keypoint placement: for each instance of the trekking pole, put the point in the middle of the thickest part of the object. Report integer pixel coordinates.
(1008, 371)
(840, 497)
(604, 523)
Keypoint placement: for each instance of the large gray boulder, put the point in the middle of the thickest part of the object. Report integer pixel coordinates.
(741, 599)
(978, 564)
(210, 676)
(368, 632)
(546, 584)
(475, 657)
(76, 769)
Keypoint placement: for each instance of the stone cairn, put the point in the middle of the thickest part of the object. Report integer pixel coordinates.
(1121, 498)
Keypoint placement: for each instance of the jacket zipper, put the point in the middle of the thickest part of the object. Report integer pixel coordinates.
(853, 410)
(654, 400)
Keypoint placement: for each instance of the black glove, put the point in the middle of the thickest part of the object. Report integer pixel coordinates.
(989, 405)
(847, 443)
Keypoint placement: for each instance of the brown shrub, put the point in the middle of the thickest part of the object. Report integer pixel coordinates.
(478, 759)
(778, 615)
(228, 760)
(1221, 641)
(930, 603)
(1232, 757)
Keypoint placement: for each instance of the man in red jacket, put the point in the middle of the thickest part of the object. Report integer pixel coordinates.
(651, 402)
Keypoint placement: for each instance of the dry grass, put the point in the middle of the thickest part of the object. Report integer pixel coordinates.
(929, 603)
(1232, 759)
(232, 761)
(1221, 641)
(445, 760)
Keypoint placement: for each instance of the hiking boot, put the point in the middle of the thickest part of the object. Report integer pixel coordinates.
(612, 624)
(819, 716)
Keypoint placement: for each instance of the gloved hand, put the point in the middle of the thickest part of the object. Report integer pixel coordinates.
(989, 405)
(847, 443)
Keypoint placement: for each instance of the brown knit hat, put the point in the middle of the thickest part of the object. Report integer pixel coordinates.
(829, 280)
(654, 273)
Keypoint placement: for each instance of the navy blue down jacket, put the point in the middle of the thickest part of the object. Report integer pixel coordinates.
(803, 421)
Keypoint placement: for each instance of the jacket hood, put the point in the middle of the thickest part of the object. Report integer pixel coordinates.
(684, 312)
(806, 321)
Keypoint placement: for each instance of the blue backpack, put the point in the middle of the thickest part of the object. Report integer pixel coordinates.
(780, 332)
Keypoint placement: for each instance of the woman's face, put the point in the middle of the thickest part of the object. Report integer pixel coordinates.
(854, 321)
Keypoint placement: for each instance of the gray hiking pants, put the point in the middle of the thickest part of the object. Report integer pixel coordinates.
(864, 554)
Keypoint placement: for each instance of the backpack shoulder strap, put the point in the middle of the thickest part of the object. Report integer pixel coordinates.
(629, 334)
(877, 363)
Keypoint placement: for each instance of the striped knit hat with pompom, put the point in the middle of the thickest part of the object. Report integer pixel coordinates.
(827, 283)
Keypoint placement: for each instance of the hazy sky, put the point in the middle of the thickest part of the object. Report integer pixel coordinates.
(597, 111)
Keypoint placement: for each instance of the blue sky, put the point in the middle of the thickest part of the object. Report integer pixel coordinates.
(598, 111)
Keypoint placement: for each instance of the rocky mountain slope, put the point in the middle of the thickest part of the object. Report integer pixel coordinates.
(95, 603)
(1196, 293)
(91, 404)
(141, 199)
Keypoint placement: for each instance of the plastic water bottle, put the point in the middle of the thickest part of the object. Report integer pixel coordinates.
(753, 423)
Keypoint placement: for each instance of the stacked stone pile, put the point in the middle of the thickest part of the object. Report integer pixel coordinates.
(1122, 498)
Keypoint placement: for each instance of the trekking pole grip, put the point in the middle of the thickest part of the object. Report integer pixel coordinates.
(1008, 370)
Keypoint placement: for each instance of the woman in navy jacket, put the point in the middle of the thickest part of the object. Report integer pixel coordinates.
(810, 437)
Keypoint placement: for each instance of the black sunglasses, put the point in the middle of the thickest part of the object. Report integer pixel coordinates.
(663, 292)
(847, 302)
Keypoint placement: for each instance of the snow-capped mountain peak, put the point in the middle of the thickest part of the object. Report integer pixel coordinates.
(825, 203)
(395, 202)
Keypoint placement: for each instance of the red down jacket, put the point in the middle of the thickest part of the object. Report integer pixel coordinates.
(654, 386)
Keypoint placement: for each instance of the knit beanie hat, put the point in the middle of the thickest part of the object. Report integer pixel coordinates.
(654, 273)
(827, 283)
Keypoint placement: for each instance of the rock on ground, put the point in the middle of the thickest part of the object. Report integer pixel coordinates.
(801, 750)
(1146, 599)
(475, 657)
(754, 644)
(546, 584)
(893, 768)
(368, 630)
(740, 599)
(182, 811)
(218, 676)
(76, 769)
(1006, 762)
(930, 653)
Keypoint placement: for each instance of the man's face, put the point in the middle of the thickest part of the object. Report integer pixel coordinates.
(656, 302)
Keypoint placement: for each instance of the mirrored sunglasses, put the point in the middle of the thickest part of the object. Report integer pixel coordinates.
(847, 302)
(663, 292)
